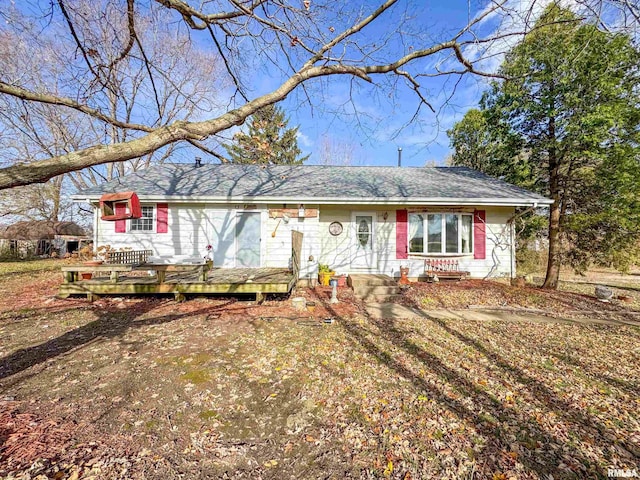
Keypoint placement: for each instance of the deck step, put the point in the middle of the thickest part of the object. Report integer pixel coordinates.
(375, 288)
(357, 280)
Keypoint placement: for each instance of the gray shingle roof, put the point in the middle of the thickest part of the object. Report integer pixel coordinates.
(313, 182)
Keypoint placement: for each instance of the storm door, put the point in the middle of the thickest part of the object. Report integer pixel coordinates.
(363, 241)
(248, 239)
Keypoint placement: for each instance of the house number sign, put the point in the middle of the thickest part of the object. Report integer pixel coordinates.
(335, 228)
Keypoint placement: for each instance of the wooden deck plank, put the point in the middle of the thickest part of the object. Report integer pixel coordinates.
(189, 288)
(219, 281)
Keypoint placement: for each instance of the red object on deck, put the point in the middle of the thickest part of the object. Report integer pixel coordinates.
(111, 206)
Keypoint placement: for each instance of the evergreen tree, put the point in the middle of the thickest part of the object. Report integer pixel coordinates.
(268, 140)
(566, 124)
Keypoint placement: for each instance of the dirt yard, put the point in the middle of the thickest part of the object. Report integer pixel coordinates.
(571, 299)
(220, 388)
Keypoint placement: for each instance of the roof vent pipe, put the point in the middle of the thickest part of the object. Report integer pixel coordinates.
(198, 162)
(399, 156)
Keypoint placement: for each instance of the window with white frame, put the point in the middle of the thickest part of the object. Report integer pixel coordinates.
(441, 233)
(145, 223)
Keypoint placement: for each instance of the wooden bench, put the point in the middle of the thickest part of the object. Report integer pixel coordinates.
(444, 269)
(71, 272)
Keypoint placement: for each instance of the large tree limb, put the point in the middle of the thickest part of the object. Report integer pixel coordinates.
(40, 171)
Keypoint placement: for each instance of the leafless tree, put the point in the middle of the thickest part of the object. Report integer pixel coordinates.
(38, 201)
(148, 85)
(305, 44)
(338, 152)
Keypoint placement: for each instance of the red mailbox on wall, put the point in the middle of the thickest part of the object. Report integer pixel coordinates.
(111, 206)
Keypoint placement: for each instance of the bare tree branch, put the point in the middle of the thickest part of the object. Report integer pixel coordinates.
(189, 13)
(132, 36)
(47, 98)
(202, 147)
(295, 43)
(236, 82)
(416, 87)
(79, 43)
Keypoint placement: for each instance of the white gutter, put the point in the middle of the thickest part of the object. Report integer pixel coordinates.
(440, 201)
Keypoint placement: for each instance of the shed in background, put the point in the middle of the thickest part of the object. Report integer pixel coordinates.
(34, 238)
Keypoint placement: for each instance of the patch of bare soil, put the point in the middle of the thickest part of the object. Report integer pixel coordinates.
(136, 387)
(601, 275)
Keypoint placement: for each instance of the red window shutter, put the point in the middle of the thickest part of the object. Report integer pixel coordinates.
(479, 234)
(401, 235)
(121, 225)
(162, 217)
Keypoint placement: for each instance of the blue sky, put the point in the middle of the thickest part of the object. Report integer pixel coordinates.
(374, 125)
(349, 113)
(372, 121)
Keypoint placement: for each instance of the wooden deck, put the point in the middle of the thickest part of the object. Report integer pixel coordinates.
(219, 281)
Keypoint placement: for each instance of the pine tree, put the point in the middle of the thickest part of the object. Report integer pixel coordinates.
(268, 140)
(566, 124)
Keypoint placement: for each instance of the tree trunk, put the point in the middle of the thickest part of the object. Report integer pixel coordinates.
(56, 198)
(553, 263)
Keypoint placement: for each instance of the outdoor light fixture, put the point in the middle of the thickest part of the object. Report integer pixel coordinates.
(301, 211)
(385, 216)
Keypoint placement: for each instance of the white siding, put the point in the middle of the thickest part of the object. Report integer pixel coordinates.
(193, 226)
(162, 244)
(221, 225)
(278, 246)
(335, 251)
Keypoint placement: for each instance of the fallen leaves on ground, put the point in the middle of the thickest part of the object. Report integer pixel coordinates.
(488, 293)
(220, 388)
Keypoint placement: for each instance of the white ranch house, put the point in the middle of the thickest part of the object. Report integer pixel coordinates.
(355, 219)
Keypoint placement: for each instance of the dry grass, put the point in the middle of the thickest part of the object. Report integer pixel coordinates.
(26, 266)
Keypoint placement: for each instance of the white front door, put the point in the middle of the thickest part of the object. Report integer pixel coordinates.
(363, 255)
(248, 239)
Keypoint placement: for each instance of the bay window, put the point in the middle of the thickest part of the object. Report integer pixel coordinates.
(441, 233)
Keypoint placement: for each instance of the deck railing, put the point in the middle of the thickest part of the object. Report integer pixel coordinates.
(128, 257)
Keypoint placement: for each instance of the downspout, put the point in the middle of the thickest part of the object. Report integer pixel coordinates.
(511, 224)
